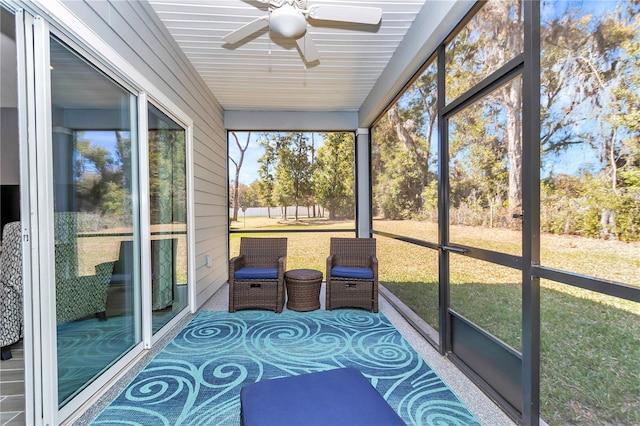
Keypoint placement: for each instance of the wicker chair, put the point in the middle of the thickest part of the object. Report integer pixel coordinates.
(256, 276)
(352, 274)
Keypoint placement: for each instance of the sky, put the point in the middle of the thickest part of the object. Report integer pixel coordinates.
(567, 162)
(250, 165)
(554, 8)
(103, 138)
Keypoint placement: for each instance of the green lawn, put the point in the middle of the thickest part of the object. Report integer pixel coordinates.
(95, 248)
(590, 343)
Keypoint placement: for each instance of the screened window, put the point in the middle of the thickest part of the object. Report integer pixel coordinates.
(291, 181)
(404, 162)
(298, 185)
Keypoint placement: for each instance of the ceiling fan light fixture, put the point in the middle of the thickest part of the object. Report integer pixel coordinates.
(288, 22)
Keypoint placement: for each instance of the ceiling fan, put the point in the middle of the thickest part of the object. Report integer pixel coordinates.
(288, 18)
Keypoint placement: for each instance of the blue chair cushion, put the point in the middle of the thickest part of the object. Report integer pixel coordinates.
(249, 273)
(340, 397)
(351, 272)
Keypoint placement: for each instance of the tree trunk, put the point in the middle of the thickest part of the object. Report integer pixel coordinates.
(612, 160)
(608, 223)
(401, 132)
(235, 195)
(513, 96)
(238, 165)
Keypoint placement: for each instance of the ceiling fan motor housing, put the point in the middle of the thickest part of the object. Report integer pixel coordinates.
(288, 22)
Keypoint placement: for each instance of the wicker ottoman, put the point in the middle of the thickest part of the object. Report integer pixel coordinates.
(303, 289)
(340, 397)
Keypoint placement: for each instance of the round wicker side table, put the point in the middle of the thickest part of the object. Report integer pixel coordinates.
(303, 289)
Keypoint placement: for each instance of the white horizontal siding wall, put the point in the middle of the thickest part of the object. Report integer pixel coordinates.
(135, 32)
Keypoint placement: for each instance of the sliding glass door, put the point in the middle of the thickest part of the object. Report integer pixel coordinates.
(14, 384)
(94, 147)
(103, 201)
(168, 216)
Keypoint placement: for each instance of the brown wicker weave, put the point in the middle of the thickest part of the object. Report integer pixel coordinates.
(303, 289)
(258, 293)
(350, 292)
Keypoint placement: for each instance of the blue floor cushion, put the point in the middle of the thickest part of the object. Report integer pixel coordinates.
(351, 272)
(249, 273)
(335, 397)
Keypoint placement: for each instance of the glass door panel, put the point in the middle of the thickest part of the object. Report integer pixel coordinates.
(485, 172)
(491, 38)
(489, 295)
(168, 197)
(484, 244)
(97, 296)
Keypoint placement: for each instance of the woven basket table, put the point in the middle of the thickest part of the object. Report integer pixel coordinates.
(303, 289)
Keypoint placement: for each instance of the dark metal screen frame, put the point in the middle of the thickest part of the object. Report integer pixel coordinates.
(531, 215)
(513, 378)
(527, 65)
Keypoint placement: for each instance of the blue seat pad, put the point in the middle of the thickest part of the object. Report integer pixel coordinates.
(250, 273)
(351, 272)
(335, 397)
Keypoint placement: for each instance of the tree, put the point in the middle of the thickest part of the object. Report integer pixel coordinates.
(479, 179)
(333, 175)
(238, 166)
(268, 161)
(312, 196)
(293, 170)
(167, 175)
(401, 152)
(247, 197)
(494, 148)
(590, 97)
(98, 179)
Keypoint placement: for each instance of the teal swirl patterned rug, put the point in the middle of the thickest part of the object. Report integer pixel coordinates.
(87, 347)
(196, 379)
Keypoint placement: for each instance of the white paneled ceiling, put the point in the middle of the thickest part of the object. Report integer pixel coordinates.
(266, 72)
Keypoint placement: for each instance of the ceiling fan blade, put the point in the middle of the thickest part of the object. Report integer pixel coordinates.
(247, 30)
(307, 48)
(355, 14)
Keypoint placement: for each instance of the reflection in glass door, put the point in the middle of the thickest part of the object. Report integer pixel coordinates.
(168, 208)
(95, 230)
